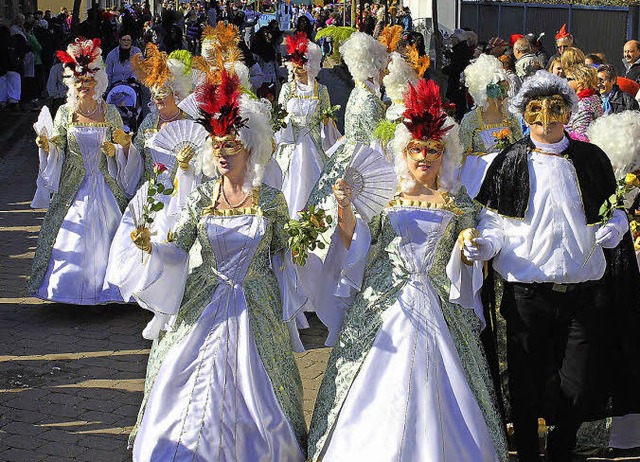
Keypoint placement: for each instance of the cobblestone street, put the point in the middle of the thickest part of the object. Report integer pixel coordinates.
(71, 378)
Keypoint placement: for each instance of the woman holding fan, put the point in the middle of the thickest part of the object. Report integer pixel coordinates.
(409, 353)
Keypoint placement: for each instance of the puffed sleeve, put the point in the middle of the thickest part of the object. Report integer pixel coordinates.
(51, 163)
(126, 168)
(329, 132)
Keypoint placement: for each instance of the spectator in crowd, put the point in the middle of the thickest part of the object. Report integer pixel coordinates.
(509, 67)
(212, 14)
(595, 60)
(407, 21)
(526, 62)
(537, 47)
(32, 77)
(118, 61)
(564, 39)
(193, 31)
(555, 66)
(584, 81)
(571, 57)
(264, 53)
(632, 60)
(304, 25)
(56, 88)
(614, 100)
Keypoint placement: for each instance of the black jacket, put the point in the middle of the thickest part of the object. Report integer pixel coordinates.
(634, 72)
(621, 101)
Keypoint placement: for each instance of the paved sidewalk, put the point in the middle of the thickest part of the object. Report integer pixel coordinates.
(71, 378)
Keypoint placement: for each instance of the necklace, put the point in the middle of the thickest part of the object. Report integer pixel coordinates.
(229, 204)
(174, 116)
(89, 114)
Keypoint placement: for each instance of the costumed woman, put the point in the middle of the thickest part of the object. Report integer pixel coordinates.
(409, 353)
(301, 144)
(366, 59)
(92, 173)
(489, 127)
(169, 81)
(223, 383)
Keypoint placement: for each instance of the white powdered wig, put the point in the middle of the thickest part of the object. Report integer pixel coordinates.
(484, 70)
(100, 76)
(365, 56)
(618, 135)
(256, 136)
(448, 177)
(181, 82)
(400, 74)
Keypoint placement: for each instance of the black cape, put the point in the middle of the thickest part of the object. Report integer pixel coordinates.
(505, 190)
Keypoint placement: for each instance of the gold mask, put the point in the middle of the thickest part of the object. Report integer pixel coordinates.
(160, 93)
(227, 145)
(429, 150)
(547, 110)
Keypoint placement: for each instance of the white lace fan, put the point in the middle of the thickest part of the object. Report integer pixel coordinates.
(179, 134)
(190, 106)
(372, 179)
(44, 124)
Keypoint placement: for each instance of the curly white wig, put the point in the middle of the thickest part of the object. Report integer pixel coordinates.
(452, 158)
(365, 56)
(542, 84)
(100, 76)
(484, 70)
(256, 136)
(313, 66)
(618, 135)
(400, 74)
(181, 81)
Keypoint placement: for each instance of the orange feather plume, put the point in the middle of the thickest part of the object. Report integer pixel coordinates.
(419, 63)
(390, 37)
(153, 70)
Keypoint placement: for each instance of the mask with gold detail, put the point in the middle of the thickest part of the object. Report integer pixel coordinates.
(83, 57)
(547, 110)
(219, 106)
(425, 119)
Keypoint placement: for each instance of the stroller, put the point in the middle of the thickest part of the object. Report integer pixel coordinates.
(127, 97)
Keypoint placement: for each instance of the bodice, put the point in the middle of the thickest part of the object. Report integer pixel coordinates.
(234, 240)
(418, 232)
(89, 140)
(301, 110)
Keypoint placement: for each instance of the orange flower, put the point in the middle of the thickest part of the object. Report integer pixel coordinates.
(502, 134)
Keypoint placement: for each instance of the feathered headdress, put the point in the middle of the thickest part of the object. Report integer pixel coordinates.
(563, 32)
(419, 63)
(219, 105)
(297, 46)
(153, 70)
(424, 116)
(224, 36)
(82, 57)
(390, 37)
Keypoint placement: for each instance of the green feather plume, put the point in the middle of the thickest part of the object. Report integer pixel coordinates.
(385, 131)
(184, 57)
(339, 34)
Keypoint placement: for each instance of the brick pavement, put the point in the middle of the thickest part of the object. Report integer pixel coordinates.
(71, 378)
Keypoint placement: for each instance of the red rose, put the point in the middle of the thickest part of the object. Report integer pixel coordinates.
(159, 167)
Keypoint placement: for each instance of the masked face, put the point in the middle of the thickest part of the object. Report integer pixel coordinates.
(225, 146)
(547, 111)
(300, 73)
(430, 150)
(160, 93)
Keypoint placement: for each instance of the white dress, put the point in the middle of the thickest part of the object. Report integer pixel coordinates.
(411, 400)
(212, 399)
(121, 270)
(78, 262)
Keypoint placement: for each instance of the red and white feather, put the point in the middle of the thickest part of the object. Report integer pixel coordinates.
(297, 46)
(424, 116)
(82, 57)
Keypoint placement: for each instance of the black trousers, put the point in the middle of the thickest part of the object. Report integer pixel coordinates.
(554, 347)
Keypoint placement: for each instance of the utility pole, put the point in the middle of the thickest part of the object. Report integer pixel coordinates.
(436, 35)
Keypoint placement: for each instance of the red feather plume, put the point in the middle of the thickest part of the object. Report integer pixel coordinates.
(219, 105)
(424, 116)
(80, 55)
(563, 32)
(297, 46)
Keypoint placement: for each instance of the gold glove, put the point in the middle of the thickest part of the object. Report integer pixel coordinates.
(108, 148)
(141, 237)
(184, 156)
(122, 138)
(43, 142)
(468, 234)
